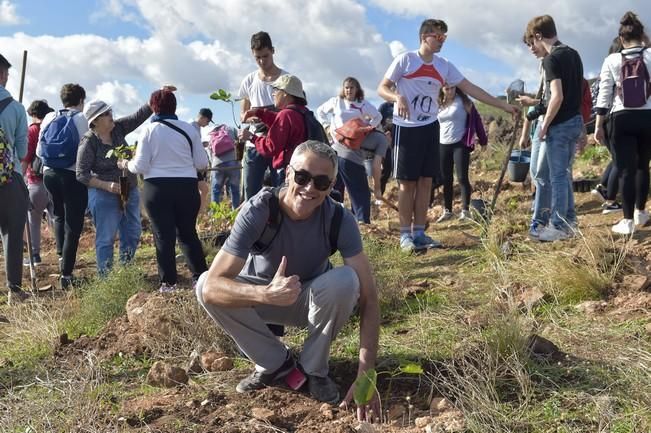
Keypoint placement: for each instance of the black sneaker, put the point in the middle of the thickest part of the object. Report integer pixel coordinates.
(323, 389)
(17, 296)
(67, 282)
(600, 193)
(258, 380)
(611, 208)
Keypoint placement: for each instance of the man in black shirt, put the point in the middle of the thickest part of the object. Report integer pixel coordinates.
(562, 123)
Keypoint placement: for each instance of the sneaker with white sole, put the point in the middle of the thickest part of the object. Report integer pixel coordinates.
(17, 296)
(599, 192)
(167, 288)
(640, 217)
(552, 234)
(258, 380)
(624, 227)
(423, 242)
(407, 244)
(609, 208)
(446, 215)
(534, 230)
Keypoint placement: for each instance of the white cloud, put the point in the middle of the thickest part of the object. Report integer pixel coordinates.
(204, 45)
(8, 15)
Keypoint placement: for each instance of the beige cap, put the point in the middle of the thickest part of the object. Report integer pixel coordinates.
(290, 84)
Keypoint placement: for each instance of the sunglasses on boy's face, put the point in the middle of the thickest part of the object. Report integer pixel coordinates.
(440, 37)
(302, 177)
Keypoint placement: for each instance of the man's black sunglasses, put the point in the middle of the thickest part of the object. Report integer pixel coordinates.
(321, 182)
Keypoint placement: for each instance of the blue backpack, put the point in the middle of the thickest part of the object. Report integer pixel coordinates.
(60, 141)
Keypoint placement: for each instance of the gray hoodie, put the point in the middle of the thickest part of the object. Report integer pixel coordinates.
(13, 121)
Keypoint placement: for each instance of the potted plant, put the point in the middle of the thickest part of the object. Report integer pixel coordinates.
(123, 152)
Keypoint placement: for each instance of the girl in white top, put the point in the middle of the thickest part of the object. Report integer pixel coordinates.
(454, 110)
(350, 104)
(629, 126)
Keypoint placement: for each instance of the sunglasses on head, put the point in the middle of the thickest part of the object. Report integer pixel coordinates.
(321, 182)
(440, 37)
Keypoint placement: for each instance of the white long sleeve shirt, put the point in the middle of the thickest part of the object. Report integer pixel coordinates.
(336, 111)
(611, 78)
(164, 152)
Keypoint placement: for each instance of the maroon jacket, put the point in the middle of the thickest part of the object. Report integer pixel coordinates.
(286, 131)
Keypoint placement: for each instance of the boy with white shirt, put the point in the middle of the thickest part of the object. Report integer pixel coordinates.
(256, 92)
(412, 83)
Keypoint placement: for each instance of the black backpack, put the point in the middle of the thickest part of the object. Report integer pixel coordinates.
(276, 219)
(313, 128)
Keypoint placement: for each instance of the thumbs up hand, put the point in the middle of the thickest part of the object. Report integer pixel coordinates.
(282, 291)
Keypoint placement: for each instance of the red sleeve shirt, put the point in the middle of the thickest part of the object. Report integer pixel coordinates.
(286, 131)
(32, 141)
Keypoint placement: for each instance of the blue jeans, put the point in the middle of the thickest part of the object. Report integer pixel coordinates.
(539, 171)
(255, 166)
(109, 220)
(354, 178)
(230, 178)
(561, 142)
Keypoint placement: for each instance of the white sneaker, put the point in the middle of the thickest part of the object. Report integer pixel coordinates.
(447, 214)
(465, 215)
(640, 217)
(624, 227)
(551, 234)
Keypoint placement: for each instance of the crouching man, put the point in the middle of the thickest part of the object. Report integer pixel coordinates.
(274, 268)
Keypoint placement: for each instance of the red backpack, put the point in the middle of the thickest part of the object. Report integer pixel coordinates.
(220, 140)
(634, 87)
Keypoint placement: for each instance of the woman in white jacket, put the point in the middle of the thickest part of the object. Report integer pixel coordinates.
(168, 156)
(629, 124)
(350, 104)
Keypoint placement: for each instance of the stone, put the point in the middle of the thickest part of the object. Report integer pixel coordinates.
(531, 298)
(194, 364)
(222, 364)
(262, 413)
(637, 283)
(423, 421)
(165, 375)
(216, 361)
(648, 328)
(591, 307)
(540, 346)
(439, 405)
(365, 427)
(147, 313)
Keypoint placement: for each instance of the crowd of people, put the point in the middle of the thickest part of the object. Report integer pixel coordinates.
(274, 268)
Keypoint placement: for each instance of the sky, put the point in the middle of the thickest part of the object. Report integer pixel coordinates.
(122, 50)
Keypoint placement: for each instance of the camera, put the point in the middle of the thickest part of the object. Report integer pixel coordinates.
(537, 111)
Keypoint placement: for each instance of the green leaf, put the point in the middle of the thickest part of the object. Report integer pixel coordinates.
(365, 387)
(109, 154)
(411, 369)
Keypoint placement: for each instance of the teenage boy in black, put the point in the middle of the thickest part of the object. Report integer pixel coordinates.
(562, 124)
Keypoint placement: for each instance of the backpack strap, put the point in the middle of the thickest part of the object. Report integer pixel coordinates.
(5, 103)
(335, 225)
(272, 227)
(275, 220)
(179, 130)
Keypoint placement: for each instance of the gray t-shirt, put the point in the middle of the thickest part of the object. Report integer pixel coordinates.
(375, 143)
(305, 243)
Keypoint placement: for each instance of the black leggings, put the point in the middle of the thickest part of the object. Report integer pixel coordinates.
(69, 201)
(631, 145)
(173, 205)
(457, 156)
(610, 176)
